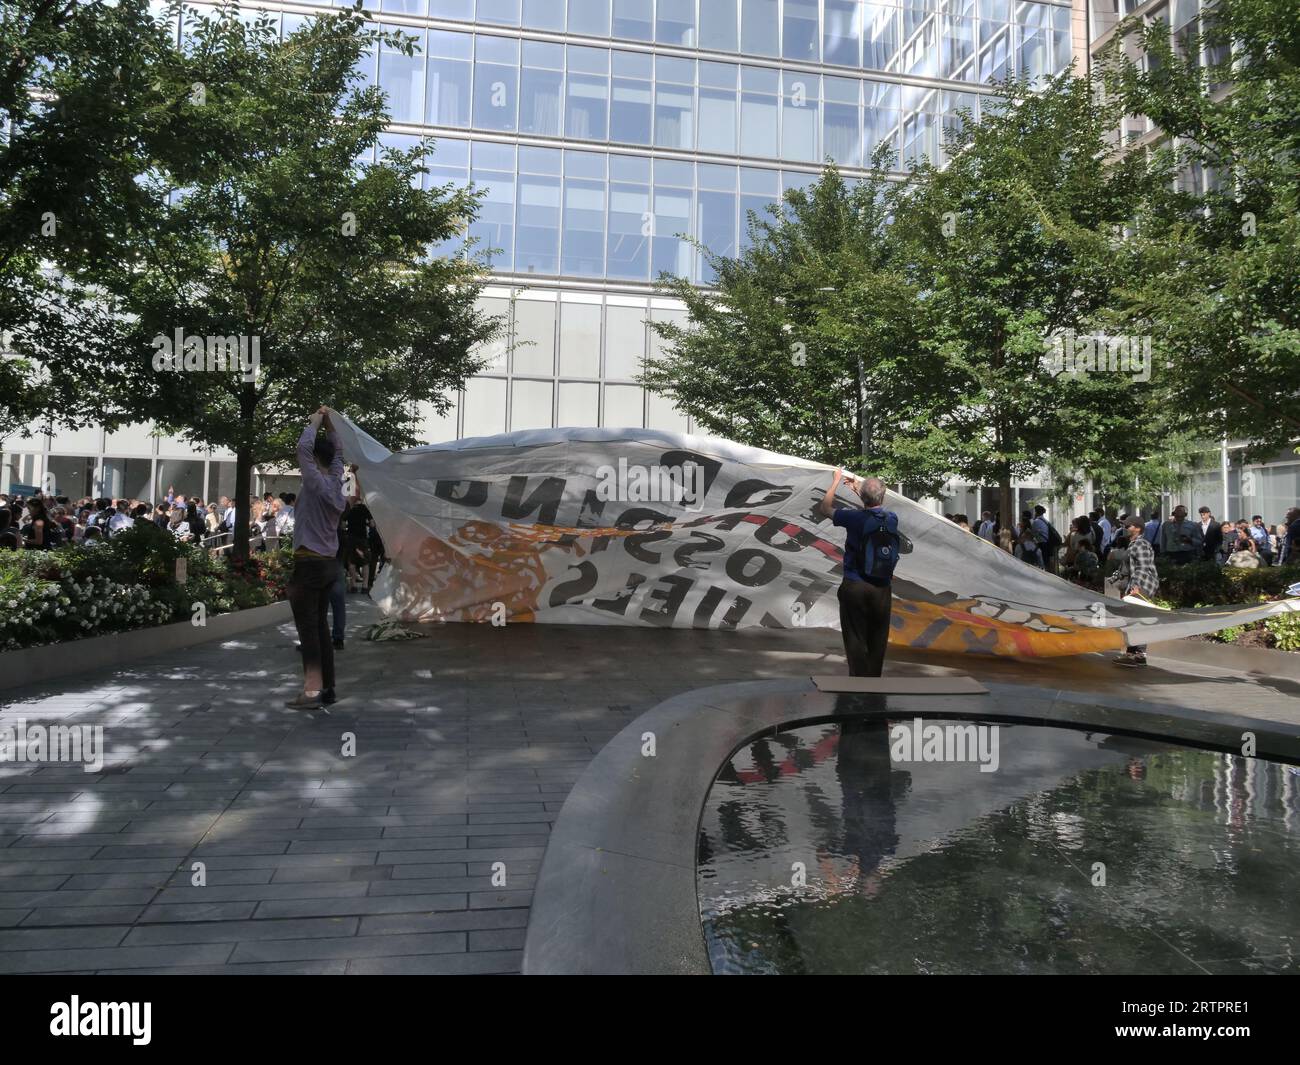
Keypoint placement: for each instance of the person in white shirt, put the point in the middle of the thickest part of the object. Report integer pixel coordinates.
(986, 527)
(121, 520)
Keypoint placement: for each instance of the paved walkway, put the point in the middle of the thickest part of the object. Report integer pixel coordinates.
(466, 744)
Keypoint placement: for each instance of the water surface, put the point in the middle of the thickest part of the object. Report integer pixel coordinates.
(1082, 853)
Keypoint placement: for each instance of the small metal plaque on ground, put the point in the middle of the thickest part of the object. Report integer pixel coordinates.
(958, 684)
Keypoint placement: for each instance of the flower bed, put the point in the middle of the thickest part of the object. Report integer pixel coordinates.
(127, 582)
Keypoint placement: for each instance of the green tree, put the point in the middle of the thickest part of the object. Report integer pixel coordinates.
(76, 107)
(1221, 283)
(799, 345)
(255, 221)
(1013, 245)
(925, 308)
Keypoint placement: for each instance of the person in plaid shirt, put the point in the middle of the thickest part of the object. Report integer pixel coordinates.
(1137, 576)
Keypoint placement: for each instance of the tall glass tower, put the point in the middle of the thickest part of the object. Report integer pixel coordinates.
(602, 130)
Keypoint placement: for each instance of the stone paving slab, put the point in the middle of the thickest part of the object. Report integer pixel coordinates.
(228, 834)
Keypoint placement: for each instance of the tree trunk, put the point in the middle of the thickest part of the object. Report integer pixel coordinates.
(243, 492)
(244, 470)
(1006, 502)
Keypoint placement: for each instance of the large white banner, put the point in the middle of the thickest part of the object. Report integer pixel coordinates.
(638, 527)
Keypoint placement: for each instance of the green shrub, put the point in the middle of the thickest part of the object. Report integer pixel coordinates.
(126, 582)
(1207, 582)
(1285, 630)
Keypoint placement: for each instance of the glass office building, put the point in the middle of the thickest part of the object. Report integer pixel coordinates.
(604, 130)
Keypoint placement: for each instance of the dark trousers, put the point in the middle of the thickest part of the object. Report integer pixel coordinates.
(864, 623)
(309, 596)
(339, 603)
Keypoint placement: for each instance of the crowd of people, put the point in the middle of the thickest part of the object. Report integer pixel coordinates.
(44, 522)
(1099, 542)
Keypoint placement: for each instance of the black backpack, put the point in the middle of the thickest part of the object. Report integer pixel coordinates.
(1054, 540)
(880, 549)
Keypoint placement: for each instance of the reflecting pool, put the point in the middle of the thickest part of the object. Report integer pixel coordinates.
(850, 848)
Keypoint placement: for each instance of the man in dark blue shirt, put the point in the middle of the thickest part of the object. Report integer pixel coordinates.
(865, 598)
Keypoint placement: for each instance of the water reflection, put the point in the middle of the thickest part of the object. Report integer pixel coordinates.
(1082, 853)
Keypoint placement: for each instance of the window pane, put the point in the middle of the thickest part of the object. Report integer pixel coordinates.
(74, 477)
(434, 428)
(185, 475)
(537, 235)
(624, 343)
(588, 16)
(133, 478)
(402, 79)
(662, 415)
(675, 21)
(630, 224)
(485, 406)
(448, 92)
(579, 403)
(530, 406)
(585, 115)
(717, 228)
(674, 117)
(623, 406)
(759, 27)
(505, 12)
(632, 18)
(579, 348)
(718, 25)
(758, 125)
(495, 225)
(842, 26)
(495, 96)
(718, 121)
(539, 102)
(584, 228)
(669, 252)
(544, 14)
(494, 353)
(799, 40)
(841, 134)
(405, 7)
(535, 339)
(879, 35)
(630, 111)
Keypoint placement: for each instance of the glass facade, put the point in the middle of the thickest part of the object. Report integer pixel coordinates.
(606, 132)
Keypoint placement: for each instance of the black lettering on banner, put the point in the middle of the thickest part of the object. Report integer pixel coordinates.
(671, 597)
(742, 492)
(633, 517)
(815, 587)
(618, 605)
(545, 499)
(681, 458)
(708, 543)
(707, 606)
(591, 511)
(572, 591)
(736, 613)
(770, 622)
(769, 567)
(474, 494)
(727, 522)
(774, 527)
